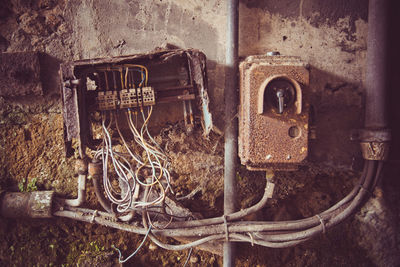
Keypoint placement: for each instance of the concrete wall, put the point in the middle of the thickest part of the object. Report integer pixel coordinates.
(330, 35)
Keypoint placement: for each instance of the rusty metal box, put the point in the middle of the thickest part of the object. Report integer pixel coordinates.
(96, 85)
(273, 126)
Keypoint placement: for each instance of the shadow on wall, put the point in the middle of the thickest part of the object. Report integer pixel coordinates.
(49, 75)
(394, 78)
(337, 101)
(337, 112)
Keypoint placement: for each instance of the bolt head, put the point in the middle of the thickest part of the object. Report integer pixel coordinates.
(273, 53)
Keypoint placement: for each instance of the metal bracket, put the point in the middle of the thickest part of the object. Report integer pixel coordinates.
(375, 143)
(71, 83)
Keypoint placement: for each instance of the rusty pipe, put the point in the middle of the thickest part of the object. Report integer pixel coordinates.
(26, 204)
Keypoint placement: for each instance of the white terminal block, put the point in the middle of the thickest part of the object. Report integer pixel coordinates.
(126, 98)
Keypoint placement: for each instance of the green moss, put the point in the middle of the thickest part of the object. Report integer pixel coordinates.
(27, 187)
(31, 186)
(16, 117)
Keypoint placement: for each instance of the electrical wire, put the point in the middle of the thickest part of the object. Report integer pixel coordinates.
(270, 234)
(188, 257)
(145, 165)
(134, 253)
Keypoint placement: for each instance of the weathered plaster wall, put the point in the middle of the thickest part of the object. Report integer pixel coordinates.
(330, 35)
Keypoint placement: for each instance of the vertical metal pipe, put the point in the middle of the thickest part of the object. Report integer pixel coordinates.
(231, 98)
(376, 80)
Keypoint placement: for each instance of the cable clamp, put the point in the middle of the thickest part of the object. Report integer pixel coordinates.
(226, 227)
(252, 239)
(322, 223)
(270, 189)
(93, 216)
(374, 143)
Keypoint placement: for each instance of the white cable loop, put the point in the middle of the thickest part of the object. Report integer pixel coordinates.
(131, 168)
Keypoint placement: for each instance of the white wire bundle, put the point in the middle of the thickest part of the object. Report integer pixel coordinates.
(134, 171)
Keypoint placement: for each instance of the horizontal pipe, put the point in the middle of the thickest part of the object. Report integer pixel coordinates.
(281, 234)
(26, 204)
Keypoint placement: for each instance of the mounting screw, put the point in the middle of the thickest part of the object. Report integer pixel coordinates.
(268, 157)
(273, 53)
(71, 83)
(288, 157)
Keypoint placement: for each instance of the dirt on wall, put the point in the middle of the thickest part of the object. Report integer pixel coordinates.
(331, 37)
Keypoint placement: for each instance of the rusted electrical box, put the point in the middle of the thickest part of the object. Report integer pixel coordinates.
(131, 83)
(274, 112)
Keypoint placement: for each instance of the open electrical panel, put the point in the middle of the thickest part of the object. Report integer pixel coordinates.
(108, 105)
(131, 84)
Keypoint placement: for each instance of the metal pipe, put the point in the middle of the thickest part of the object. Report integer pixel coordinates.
(27, 204)
(81, 193)
(231, 99)
(81, 167)
(376, 80)
(105, 203)
(95, 170)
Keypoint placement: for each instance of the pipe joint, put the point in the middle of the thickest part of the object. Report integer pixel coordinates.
(81, 166)
(95, 168)
(375, 143)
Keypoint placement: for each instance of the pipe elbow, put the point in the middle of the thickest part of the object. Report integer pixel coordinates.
(81, 193)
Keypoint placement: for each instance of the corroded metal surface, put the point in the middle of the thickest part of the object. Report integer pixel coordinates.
(198, 68)
(268, 139)
(375, 143)
(20, 74)
(27, 205)
(375, 150)
(95, 168)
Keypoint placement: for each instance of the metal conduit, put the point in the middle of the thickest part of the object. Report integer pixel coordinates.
(231, 132)
(376, 80)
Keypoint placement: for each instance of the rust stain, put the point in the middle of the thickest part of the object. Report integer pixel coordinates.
(264, 139)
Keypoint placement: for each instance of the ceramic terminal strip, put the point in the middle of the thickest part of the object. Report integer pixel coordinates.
(107, 100)
(127, 98)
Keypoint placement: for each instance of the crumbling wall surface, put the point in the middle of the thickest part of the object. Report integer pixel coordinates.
(330, 35)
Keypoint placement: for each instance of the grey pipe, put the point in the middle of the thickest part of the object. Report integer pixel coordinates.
(80, 199)
(105, 203)
(231, 99)
(26, 204)
(376, 80)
